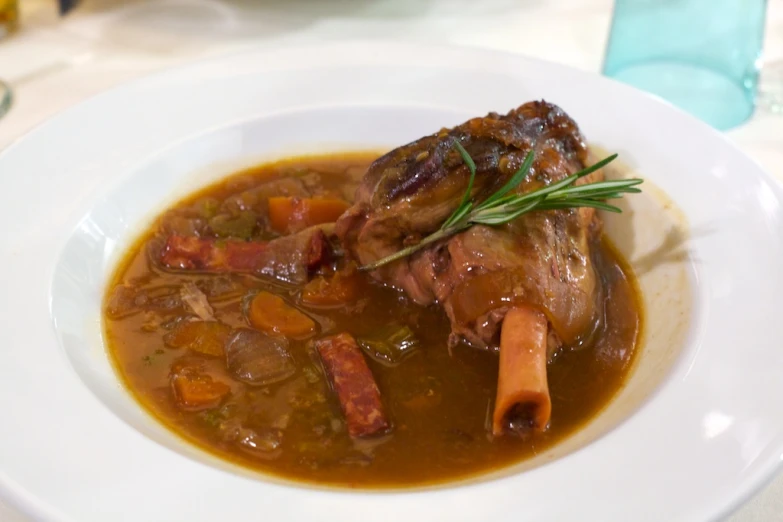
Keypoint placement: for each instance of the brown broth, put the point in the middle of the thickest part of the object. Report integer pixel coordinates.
(439, 402)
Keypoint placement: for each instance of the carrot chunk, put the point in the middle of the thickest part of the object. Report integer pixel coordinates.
(207, 337)
(269, 313)
(289, 214)
(315, 211)
(195, 390)
(340, 288)
(281, 212)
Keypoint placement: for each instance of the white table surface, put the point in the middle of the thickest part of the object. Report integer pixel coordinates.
(54, 63)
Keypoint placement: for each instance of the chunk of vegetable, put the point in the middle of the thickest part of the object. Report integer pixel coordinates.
(221, 288)
(281, 211)
(208, 207)
(269, 313)
(205, 337)
(173, 223)
(257, 359)
(390, 345)
(288, 215)
(263, 444)
(240, 226)
(126, 300)
(341, 288)
(195, 390)
(254, 196)
(121, 302)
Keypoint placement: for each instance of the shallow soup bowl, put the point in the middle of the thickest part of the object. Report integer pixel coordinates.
(694, 423)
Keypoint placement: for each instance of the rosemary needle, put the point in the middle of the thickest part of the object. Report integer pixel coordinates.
(505, 205)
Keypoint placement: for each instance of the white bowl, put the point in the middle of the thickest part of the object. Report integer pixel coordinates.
(695, 430)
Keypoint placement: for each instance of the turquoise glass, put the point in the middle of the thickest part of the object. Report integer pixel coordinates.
(701, 55)
(5, 99)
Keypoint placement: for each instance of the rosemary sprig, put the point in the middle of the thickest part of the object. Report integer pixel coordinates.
(504, 205)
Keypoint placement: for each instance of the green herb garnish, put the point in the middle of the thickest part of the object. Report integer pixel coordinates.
(505, 205)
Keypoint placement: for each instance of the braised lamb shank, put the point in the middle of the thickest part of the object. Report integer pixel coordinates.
(527, 287)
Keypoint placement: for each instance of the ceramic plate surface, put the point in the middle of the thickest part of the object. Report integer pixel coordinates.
(695, 431)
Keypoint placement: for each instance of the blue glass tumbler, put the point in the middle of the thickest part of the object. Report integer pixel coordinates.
(703, 56)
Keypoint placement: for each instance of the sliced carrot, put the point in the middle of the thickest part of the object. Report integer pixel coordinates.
(341, 288)
(207, 337)
(281, 211)
(322, 210)
(288, 214)
(195, 390)
(269, 313)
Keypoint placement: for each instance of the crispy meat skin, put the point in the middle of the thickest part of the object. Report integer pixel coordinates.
(541, 259)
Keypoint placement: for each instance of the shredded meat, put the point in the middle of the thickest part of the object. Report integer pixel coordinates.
(197, 301)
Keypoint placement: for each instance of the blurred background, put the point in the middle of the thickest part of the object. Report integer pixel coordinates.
(54, 55)
(100, 43)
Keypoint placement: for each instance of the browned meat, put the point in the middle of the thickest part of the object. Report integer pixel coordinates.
(352, 380)
(539, 265)
(541, 259)
(289, 258)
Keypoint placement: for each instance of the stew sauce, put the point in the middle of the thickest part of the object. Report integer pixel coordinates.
(439, 404)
